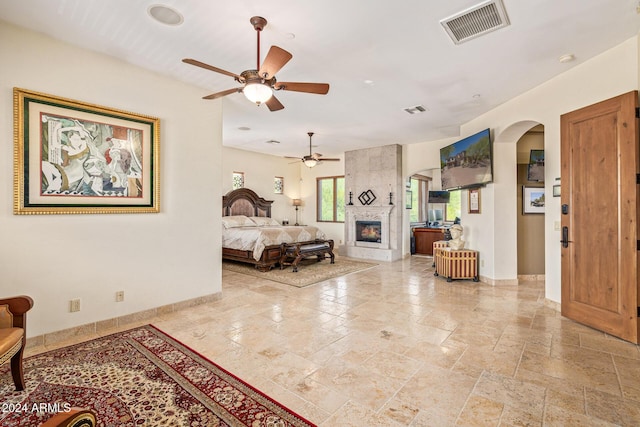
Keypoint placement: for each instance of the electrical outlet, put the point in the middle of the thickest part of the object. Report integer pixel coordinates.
(119, 296)
(74, 305)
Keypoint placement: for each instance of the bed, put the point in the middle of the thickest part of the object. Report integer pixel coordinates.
(250, 235)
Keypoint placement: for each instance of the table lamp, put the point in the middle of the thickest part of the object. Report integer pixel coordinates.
(296, 203)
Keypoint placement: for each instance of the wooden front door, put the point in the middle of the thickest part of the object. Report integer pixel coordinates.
(600, 158)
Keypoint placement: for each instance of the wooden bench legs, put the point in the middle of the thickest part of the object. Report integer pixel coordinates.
(293, 253)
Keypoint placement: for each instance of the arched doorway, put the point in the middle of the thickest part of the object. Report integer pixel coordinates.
(530, 219)
(507, 201)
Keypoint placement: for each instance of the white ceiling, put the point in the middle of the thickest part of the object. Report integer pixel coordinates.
(379, 58)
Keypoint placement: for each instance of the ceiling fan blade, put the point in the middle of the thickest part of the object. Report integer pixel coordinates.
(223, 93)
(211, 68)
(276, 59)
(273, 104)
(319, 88)
(318, 156)
(324, 159)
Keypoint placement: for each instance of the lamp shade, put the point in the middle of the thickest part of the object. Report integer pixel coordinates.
(297, 202)
(257, 92)
(310, 162)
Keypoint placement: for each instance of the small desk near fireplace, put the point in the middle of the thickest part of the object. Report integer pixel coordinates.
(425, 237)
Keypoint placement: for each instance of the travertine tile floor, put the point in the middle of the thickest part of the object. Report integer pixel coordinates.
(395, 346)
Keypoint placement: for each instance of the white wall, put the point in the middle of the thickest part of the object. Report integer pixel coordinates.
(610, 74)
(493, 232)
(156, 259)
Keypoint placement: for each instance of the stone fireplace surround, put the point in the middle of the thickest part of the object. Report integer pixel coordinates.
(377, 170)
(369, 250)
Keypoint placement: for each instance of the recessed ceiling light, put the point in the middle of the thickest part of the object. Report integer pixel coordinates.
(290, 36)
(368, 82)
(244, 128)
(566, 58)
(165, 15)
(272, 141)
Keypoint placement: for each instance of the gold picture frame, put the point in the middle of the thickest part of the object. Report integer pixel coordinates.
(72, 157)
(473, 204)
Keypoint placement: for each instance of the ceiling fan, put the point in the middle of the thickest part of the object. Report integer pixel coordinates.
(313, 158)
(258, 85)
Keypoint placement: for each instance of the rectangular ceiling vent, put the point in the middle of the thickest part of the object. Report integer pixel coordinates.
(416, 109)
(477, 20)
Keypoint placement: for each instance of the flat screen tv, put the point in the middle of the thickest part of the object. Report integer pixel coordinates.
(438, 197)
(468, 162)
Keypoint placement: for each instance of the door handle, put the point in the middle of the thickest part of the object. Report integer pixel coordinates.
(565, 237)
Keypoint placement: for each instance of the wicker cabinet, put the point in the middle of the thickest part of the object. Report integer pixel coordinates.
(456, 264)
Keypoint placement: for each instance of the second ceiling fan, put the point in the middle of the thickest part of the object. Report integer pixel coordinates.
(258, 85)
(313, 158)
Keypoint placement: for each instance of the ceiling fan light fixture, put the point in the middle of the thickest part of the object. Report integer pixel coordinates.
(310, 162)
(257, 92)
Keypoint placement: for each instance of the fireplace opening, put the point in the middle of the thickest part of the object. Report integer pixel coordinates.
(368, 231)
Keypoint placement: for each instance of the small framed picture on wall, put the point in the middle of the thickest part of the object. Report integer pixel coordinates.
(474, 201)
(278, 185)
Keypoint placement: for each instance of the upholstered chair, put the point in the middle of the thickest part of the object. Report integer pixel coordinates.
(76, 417)
(13, 334)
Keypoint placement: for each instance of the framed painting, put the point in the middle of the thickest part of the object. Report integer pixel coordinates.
(474, 201)
(237, 180)
(278, 185)
(532, 200)
(71, 157)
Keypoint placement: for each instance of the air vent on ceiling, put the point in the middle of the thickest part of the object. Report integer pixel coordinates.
(416, 109)
(477, 20)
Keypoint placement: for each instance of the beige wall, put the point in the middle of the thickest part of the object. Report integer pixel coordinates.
(530, 232)
(259, 173)
(157, 259)
(299, 182)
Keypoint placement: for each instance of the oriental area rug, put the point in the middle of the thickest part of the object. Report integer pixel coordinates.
(140, 377)
(309, 270)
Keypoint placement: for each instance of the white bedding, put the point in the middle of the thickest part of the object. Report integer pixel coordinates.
(256, 238)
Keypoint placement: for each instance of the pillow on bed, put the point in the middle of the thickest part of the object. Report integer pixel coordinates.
(262, 221)
(234, 221)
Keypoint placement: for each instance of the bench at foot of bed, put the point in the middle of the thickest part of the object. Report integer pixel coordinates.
(293, 253)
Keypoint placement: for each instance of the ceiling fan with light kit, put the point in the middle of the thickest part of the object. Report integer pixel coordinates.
(313, 158)
(259, 85)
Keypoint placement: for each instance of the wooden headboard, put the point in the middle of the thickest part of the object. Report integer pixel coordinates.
(245, 202)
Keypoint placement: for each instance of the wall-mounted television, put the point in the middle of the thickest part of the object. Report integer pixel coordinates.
(468, 162)
(438, 197)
